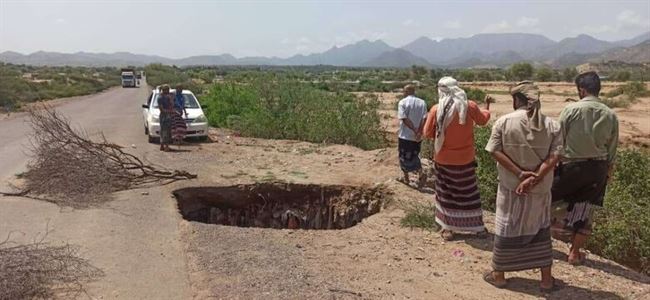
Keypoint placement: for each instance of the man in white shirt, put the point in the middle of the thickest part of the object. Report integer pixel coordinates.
(412, 113)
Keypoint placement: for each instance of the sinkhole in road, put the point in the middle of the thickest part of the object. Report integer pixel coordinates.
(280, 205)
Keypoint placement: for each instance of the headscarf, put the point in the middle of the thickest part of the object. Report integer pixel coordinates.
(451, 99)
(531, 92)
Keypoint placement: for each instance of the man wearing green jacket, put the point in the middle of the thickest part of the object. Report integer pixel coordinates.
(590, 131)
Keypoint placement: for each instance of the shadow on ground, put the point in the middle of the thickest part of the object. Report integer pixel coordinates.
(531, 287)
(486, 244)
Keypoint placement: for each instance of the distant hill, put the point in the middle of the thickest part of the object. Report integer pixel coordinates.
(493, 50)
(462, 49)
(635, 54)
(349, 55)
(398, 58)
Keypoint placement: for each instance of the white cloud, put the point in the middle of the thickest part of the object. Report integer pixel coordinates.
(629, 18)
(626, 19)
(527, 22)
(452, 24)
(60, 21)
(408, 22)
(502, 26)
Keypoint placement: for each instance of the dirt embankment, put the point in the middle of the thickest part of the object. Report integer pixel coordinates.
(375, 259)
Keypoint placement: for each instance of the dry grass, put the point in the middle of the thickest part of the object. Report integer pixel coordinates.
(40, 270)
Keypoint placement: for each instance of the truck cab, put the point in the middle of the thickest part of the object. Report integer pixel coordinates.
(128, 78)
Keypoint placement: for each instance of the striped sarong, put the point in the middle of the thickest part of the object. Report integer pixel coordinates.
(522, 238)
(458, 201)
(178, 127)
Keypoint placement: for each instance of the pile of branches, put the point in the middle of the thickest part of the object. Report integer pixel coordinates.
(69, 168)
(42, 271)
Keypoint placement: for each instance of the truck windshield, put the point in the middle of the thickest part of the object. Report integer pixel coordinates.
(127, 76)
(190, 101)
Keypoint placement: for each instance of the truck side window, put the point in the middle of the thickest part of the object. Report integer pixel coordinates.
(149, 99)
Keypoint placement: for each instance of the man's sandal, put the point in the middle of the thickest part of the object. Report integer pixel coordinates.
(578, 262)
(489, 278)
(447, 235)
(556, 286)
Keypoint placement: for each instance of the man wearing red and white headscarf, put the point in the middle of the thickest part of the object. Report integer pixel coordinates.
(451, 125)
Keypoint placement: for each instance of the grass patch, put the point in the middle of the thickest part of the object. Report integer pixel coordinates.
(20, 84)
(486, 170)
(420, 216)
(632, 89)
(279, 109)
(616, 103)
(622, 227)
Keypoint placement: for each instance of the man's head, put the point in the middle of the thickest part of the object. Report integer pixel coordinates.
(522, 93)
(179, 89)
(588, 84)
(164, 89)
(409, 90)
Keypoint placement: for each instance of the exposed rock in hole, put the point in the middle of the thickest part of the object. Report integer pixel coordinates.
(279, 205)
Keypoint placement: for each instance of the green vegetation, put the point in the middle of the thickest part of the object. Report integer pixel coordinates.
(21, 84)
(191, 79)
(487, 168)
(622, 228)
(279, 109)
(420, 216)
(630, 91)
(521, 71)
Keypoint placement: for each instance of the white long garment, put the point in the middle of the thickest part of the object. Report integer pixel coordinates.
(413, 108)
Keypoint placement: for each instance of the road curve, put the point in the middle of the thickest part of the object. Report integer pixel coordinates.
(135, 242)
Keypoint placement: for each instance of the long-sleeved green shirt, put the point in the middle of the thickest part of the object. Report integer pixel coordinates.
(590, 130)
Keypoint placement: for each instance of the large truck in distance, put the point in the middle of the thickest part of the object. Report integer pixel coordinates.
(128, 77)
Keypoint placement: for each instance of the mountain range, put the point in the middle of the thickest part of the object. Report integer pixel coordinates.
(478, 51)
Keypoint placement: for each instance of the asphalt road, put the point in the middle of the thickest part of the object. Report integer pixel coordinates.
(135, 242)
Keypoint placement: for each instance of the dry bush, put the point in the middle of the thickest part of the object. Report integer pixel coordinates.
(70, 169)
(43, 271)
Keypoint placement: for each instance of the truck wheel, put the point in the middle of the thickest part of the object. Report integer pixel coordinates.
(152, 140)
(146, 130)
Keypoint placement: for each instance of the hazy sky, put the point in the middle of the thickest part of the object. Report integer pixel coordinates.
(283, 28)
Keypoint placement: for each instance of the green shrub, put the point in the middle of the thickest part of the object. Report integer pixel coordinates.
(277, 109)
(487, 168)
(475, 94)
(614, 103)
(428, 94)
(57, 82)
(631, 89)
(622, 227)
(420, 216)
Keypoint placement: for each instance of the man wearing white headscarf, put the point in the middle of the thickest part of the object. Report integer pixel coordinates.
(451, 125)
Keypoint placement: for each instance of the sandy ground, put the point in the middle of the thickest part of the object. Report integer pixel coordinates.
(375, 259)
(634, 120)
(147, 251)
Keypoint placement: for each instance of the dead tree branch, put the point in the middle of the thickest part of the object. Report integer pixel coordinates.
(67, 164)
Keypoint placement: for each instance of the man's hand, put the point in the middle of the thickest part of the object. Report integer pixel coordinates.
(523, 175)
(610, 173)
(418, 136)
(525, 185)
